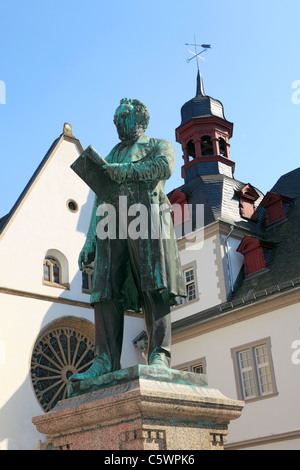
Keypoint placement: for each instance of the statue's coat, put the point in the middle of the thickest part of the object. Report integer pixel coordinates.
(143, 166)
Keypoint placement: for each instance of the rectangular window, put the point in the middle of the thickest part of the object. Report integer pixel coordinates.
(263, 369)
(198, 366)
(56, 274)
(190, 284)
(88, 279)
(247, 373)
(254, 370)
(46, 272)
(85, 281)
(190, 278)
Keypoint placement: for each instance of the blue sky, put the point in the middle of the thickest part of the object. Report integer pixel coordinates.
(72, 61)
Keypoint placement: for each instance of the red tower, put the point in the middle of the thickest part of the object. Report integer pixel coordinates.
(204, 135)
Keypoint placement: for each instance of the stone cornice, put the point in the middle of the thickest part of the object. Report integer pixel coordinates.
(228, 313)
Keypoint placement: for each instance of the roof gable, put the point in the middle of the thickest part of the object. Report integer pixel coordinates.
(66, 135)
(249, 192)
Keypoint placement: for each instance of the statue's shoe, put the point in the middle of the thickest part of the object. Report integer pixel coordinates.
(99, 367)
(159, 360)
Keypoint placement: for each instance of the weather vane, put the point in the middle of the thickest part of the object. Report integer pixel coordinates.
(196, 53)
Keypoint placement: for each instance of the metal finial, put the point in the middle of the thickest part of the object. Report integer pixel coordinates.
(200, 88)
(67, 129)
(196, 53)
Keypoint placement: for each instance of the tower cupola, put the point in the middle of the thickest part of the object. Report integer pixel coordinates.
(204, 135)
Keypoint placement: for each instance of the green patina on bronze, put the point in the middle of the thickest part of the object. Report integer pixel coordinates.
(136, 169)
(138, 372)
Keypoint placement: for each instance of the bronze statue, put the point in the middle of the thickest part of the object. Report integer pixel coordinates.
(132, 272)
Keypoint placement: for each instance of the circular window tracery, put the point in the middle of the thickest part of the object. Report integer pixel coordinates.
(64, 347)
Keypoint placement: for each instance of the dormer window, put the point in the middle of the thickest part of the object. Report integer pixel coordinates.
(253, 251)
(180, 210)
(248, 196)
(180, 199)
(274, 205)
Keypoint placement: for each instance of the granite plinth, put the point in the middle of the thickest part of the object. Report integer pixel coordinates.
(142, 409)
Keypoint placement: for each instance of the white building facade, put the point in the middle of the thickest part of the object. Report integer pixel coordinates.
(42, 295)
(239, 324)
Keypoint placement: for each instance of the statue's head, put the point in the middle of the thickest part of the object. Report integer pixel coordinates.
(131, 119)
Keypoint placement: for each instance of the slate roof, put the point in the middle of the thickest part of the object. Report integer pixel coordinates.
(283, 263)
(283, 270)
(201, 106)
(3, 221)
(218, 194)
(226, 308)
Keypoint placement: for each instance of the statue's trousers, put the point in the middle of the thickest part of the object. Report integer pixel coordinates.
(109, 315)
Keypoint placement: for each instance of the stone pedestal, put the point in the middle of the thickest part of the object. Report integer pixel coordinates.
(141, 408)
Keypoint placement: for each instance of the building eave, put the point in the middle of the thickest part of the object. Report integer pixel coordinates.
(228, 313)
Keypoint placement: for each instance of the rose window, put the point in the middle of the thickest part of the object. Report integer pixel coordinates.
(63, 348)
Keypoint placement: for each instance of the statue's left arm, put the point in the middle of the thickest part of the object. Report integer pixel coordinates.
(158, 165)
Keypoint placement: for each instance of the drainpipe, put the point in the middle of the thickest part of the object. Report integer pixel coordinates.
(229, 260)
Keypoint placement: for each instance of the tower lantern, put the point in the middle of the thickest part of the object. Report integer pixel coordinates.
(204, 135)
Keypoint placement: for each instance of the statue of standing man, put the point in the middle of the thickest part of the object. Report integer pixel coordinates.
(132, 272)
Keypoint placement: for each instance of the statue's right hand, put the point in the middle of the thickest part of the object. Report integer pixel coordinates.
(87, 256)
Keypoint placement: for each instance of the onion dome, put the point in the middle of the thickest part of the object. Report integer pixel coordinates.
(201, 105)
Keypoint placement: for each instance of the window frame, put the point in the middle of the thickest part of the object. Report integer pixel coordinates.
(254, 367)
(191, 365)
(89, 271)
(51, 261)
(63, 358)
(185, 268)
